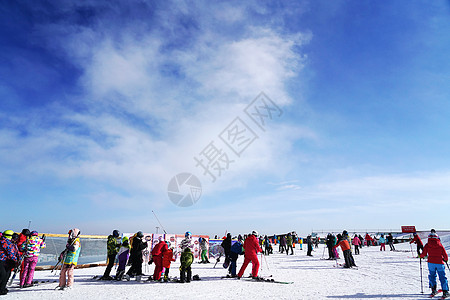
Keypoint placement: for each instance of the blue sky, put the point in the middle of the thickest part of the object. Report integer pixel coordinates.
(102, 104)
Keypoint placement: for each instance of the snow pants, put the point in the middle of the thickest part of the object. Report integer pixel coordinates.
(123, 259)
(356, 249)
(205, 256)
(157, 259)
(383, 247)
(29, 263)
(440, 270)
(185, 274)
(5, 272)
(111, 260)
(67, 270)
(255, 265)
(330, 252)
(233, 264)
(287, 250)
(349, 262)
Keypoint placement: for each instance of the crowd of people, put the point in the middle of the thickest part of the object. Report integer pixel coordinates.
(19, 254)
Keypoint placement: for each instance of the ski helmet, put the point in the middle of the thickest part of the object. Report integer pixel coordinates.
(34, 233)
(345, 232)
(255, 233)
(115, 233)
(26, 232)
(188, 234)
(139, 234)
(8, 233)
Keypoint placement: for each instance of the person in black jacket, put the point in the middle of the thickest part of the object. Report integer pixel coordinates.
(330, 243)
(137, 246)
(390, 240)
(226, 244)
(310, 245)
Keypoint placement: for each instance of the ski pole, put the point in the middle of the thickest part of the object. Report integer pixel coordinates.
(159, 222)
(412, 254)
(323, 253)
(421, 282)
(268, 269)
(447, 265)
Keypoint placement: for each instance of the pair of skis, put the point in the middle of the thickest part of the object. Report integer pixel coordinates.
(436, 295)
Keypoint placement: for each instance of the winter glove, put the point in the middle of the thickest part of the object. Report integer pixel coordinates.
(150, 261)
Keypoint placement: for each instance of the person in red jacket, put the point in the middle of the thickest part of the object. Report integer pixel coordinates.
(167, 260)
(346, 250)
(436, 258)
(251, 248)
(157, 256)
(419, 243)
(368, 239)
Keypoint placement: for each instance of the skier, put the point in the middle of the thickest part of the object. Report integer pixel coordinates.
(282, 244)
(310, 245)
(267, 245)
(167, 260)
(157, 257)
(9, 257)
(186, 261)
(368, 239)
(32, 249)
(436, 256)
(69, 260)
(300, 241)
(357, 243)
(390, 241)
(418, 242)
(289, 244)
(187, 241)
(136, 256)
(21, 243)
(226, 245)
(123, 255)
(204, 247)
(346, 251)
(112, 247)
(382, 243)
(235, 251)
(329, 241)
(252, 249)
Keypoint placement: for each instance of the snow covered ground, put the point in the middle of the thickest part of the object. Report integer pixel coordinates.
(381, 275)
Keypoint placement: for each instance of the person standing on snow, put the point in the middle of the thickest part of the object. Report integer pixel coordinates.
(436, 258)
(310, 245)
(167, 260)
(9, 258)
(157, 257)
(226, 245)
(186, 259)
(70, 259)
(136, 256)
(123, 255)
(33, 247)
(112, 248)
(251, 247)
(418, 242)
(346, 251)
(282, 244)
(357, 243)
(390, 241)
(204, 248)
(382, 241)
(329, 241)
(236, 250)
(289, 244)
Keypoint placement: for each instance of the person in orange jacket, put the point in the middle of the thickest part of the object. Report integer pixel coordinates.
(346, 250)
(251, 248)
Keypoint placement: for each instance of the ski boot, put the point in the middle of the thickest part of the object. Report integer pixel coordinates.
(433, 291)
(445, 294)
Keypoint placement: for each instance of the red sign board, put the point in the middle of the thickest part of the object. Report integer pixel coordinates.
(408, 229)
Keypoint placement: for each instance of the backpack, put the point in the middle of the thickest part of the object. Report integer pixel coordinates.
(237, 248)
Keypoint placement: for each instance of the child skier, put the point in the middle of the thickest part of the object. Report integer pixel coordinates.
(9, 255)
(70, 259)
(382, 241)
(123, 254)
(186, 261)
(436, 256)
(252, 249)
(167, 260)
(32, 249)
